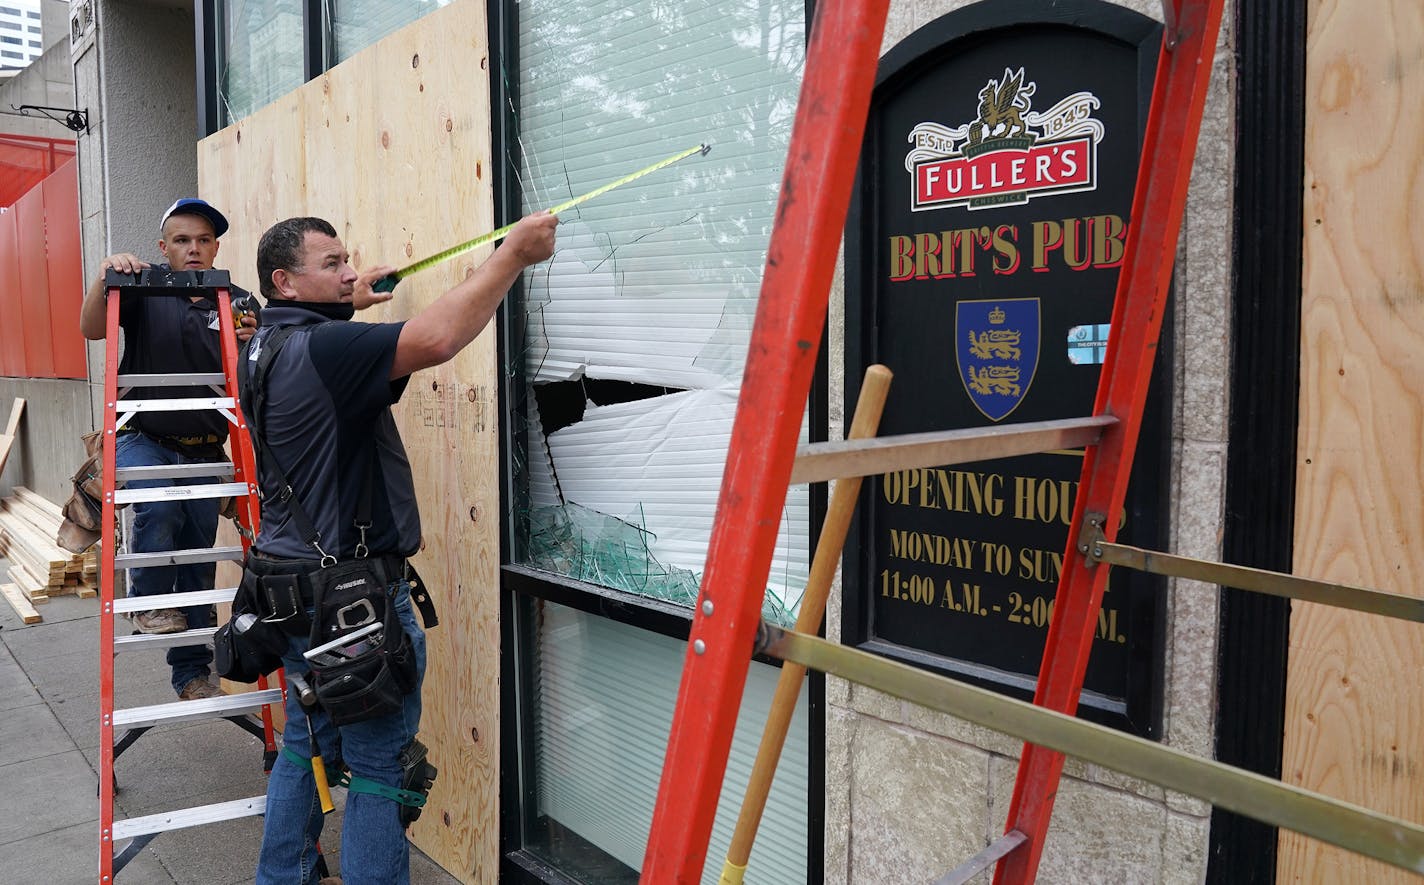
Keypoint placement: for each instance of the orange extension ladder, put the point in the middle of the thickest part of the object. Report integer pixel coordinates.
(242, 488)
(825, 147)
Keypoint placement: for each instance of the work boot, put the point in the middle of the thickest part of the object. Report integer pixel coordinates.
(330, 880)
(161, 620)
(199, 688)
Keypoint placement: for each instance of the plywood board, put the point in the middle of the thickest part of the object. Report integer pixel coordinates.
(1355, 695)
(393, 148)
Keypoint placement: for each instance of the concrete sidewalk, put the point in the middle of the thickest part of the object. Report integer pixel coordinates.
(49, 738)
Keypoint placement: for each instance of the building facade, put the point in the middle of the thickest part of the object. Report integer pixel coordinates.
(21, 35)
(572, 460)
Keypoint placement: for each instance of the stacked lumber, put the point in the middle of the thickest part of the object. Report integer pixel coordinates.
(39, 568)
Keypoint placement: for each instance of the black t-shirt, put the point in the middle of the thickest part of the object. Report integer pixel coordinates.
(327, 410)
(173, 335)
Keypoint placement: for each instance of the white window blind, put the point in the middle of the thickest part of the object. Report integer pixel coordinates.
(605, 693)
(656, 282)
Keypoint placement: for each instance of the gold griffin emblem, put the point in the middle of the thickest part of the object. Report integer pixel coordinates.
(1002, 104)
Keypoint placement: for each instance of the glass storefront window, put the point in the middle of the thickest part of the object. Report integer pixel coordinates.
(261, 48)
(259, 54)
(605, 693)
(635, 338)
(356, 24)
(637, 329)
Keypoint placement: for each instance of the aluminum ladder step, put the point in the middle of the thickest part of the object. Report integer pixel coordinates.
(174, 493)
(174, 600)
(179, 557)
(173, 471)
(202, 708)
(175, 380)
(985, 859)
(185, 404)
(189, 817)
(138, 641)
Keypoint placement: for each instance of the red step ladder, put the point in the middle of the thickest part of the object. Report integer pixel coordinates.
(825, 147)
(242, 487)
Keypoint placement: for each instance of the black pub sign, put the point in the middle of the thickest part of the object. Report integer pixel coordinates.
(982, 255)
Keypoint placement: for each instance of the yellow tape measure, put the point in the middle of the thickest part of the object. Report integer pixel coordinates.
(388, 282)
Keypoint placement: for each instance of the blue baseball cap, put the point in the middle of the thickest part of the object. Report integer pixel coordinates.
(194, 206)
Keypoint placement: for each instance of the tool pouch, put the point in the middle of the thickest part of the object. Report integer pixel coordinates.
(369, 677)
(83, 508)
(250, 644)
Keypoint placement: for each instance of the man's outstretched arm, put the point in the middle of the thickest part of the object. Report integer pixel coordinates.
(443, 329)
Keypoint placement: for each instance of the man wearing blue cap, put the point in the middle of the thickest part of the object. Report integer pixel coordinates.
(172, 336)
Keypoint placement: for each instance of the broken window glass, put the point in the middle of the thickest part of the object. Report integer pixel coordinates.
(356, 24)
(260, 47)
(634, 336)
(259, 54)
(636, 330)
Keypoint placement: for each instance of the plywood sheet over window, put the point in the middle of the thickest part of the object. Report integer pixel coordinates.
(393, 147)
(1355, 695)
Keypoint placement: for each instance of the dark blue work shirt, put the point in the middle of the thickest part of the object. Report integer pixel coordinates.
(327, 410)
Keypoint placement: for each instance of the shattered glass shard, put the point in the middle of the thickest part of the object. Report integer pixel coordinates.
(600, 549)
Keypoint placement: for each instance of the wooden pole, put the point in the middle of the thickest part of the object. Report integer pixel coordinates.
(864, 425)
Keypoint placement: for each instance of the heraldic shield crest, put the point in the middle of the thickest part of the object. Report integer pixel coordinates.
(996, 349)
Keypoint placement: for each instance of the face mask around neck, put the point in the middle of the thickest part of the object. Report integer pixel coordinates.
(330, 310)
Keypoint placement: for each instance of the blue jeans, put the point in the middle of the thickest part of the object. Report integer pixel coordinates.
(160, 526)
(374, 850)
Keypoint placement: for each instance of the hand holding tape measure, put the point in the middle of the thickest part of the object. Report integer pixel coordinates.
(388, 282)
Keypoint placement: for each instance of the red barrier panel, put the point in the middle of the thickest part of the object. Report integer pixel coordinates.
(41, 280)
(29, 212)
(12, 327)
(25, 161)
(66, 271)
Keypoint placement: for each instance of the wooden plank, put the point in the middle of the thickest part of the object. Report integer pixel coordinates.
(34, 499)
(20, 604)
(1355, 685)
(29, 585)
(41, 519)
(44, 528)
(45, 555)
(400, 164)
(12, 516)
(21, 554)
(12, 429)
